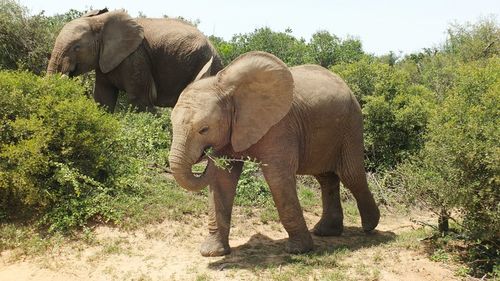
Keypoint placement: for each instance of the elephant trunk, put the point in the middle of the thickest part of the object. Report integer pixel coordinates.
(52, 68)
(58, 62)
(185, 177)
(181, 165)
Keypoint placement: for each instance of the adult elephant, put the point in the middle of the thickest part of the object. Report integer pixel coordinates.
(153, 60)
(300, 120)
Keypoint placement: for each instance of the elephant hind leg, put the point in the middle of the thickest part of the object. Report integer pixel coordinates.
(331, 222)
(352, 174)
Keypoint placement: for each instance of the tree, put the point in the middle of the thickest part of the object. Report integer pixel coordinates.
(471, 42)
(327, 49)
(289, 49)
(324, 48)
(27, 40)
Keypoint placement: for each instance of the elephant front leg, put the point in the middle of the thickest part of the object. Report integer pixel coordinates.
(284, 192)
(221, 197)
(105, 93)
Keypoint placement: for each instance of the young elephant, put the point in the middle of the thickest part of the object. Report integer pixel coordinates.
(299, 120)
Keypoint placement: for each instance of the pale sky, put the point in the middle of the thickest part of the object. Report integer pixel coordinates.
(382, 26)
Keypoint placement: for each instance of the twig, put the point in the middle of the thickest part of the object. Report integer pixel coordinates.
(453, 219)
(223, 162)
(487, 47)
(380, 192)
(402, 226)
(163, 169)
(422, 223)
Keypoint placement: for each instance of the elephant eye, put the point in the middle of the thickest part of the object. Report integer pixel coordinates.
(203, 130)
(76, 48)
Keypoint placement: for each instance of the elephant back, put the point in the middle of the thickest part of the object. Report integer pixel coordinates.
(178, 51)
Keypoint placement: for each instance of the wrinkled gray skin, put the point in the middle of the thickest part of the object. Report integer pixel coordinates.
(299, 120)
(153, 60)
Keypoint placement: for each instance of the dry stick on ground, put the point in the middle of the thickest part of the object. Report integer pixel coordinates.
(423, 223)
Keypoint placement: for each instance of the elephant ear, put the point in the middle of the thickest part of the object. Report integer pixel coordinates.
(261, 87)
(121, 35)
(205, 70)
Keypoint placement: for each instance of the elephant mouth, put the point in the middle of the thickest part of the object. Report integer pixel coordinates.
(202, 162)
(207, 153)
(200, 166)
(199, 169)
(74, 72)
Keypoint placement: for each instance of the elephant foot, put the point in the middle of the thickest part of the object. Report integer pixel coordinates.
(214, 247)
(328, 227)
(370, 221)
(299, 244)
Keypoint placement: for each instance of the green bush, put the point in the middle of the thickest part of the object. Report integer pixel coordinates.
(436, 71)
(324, 48)
(64, 160)
(252, 188)
(395, 110)
(27, 40)
(457, 173)
(470, 42)
(291, 50)
(147, 136)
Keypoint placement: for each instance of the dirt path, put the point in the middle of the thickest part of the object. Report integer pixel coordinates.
(169, 251)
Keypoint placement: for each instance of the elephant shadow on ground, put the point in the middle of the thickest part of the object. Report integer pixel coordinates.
(261, 251)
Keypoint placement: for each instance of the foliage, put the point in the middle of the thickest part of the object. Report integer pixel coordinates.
(433, 118)
(470, 42)
(327, 49)
(434, 70)
(395, 110)
(63, 160)
(458, 168)
(324, 48)
(26, 40)
(252, 189)
(146, 136)
(281, 44)
(54, 148)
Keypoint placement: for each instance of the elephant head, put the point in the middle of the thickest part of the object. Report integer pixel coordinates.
(236, 107)
(99, 39)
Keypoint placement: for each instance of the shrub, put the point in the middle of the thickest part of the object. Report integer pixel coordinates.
(470, 42)
(147, 136)
(395, 110)
(63, 160)
(457, 171)
(361, 76)
(27, 40)
(252, 189)
(324, 48)
(291, 50)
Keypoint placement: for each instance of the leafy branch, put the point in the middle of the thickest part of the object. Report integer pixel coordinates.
(224, 162)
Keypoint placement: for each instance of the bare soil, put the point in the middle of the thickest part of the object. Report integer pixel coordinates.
(169, 251)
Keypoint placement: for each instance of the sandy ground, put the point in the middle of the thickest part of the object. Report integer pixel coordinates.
(169, 251)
